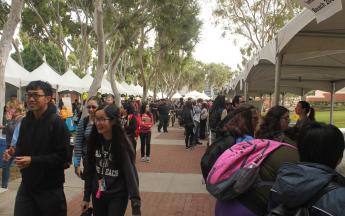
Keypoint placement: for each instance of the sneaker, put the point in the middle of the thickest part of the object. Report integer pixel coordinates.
(3, 190)
(143, 159)
(148, 159)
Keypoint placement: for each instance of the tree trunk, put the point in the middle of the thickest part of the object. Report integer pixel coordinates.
(141, 65)
(98, 16)
(19, 56)
(112, 71)
(5, 46)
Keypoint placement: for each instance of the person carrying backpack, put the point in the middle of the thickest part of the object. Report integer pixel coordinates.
(254, 200)
(312, 187)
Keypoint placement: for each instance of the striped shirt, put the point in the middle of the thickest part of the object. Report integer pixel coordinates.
(80, 141)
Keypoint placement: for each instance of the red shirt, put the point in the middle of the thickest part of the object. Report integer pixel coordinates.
(146, 123)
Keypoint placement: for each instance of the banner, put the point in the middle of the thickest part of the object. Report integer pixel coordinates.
(323, 9)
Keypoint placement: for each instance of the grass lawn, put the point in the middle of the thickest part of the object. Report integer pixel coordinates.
(323, 116)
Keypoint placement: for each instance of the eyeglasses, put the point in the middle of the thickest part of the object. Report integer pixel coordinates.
(33, 95)
(91, 107)
(101, 120)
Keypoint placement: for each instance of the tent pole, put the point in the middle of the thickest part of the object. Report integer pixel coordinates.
(277, 79)
(57, 95)
(19, 95)
(332, 103)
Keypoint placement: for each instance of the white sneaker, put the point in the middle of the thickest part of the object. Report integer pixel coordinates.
(148, 160)
(3, 190)
(143, 159)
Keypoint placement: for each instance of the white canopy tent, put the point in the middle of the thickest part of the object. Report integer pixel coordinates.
(15, 74)
(45, 73)
(304, 56)
(77, 83)
(129, 89)
(177, 95)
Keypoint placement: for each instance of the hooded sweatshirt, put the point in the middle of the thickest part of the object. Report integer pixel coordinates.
(297, 184)
(44, 139)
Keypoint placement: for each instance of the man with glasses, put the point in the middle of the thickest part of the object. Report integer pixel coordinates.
(41, 155)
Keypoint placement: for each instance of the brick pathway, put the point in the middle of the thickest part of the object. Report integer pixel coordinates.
(168, 163)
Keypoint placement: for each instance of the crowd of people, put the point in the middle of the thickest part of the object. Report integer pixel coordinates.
(298, 174)
(298, 178)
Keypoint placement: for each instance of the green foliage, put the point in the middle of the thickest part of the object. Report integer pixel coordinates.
(218, 75)
(32, 59)
(254, 21)
(4, 11)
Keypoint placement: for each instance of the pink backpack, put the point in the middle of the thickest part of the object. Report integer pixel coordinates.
(237, 169)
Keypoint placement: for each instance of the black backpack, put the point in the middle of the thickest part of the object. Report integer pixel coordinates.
(214, 151)
(304, 210)
(215, 118)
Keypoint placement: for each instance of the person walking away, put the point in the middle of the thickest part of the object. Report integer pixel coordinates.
(145, 132)
(217, 113)
(131, 125)
(41, 155)
(13, 120)
(313, 183)
(187, 116)
(203, 120)
(163, 115)
(82, 134)
(111, 176)
(196, 119)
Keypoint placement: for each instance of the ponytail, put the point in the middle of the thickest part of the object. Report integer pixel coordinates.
(311, 115)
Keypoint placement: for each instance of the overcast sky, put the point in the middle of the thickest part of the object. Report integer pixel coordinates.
(212, 46)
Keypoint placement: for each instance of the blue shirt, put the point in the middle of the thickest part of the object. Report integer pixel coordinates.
(16, 134)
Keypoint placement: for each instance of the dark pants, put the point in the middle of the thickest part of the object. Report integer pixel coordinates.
(163, 122)
(109, 206)
(133, 141)
(50, 202)
(189, 136)
(203, 129)
(145, 139)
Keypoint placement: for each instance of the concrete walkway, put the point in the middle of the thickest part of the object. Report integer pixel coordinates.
(170, 185)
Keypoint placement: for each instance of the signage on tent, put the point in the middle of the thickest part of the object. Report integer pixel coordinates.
(323, 9)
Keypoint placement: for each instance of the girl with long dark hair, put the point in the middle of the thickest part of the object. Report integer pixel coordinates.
(111, 176)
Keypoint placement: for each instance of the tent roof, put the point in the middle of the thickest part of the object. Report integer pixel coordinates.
(46, 73)
(15, 74)
(72, 79)
(313, 56)
(176, 96)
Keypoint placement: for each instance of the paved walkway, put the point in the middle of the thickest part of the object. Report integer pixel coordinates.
(170, 185)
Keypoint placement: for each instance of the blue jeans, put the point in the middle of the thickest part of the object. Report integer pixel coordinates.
(6, 173)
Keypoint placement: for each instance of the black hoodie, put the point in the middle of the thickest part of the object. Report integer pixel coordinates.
(45, 140)
(297, 184)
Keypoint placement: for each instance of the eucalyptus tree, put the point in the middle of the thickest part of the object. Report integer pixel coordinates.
(255, 22)
(178, 28)
(8, 30)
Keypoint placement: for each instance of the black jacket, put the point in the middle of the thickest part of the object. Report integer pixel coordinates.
(45, 140)
(296, 184)
(121, 180)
